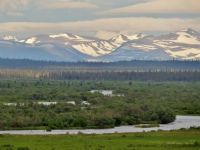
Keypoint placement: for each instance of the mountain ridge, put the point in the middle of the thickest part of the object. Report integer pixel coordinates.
(183, 44)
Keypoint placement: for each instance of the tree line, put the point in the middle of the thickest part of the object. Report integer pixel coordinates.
(100, 75)
(136, 65)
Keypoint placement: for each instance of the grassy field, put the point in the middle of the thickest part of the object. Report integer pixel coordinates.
(173, 140)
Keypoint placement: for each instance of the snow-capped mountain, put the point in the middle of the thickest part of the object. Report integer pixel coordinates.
(10, 38)
(120, 39)
(184, 44)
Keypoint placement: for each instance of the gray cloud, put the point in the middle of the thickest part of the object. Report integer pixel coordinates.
(117, 16)
(159, 6)
(13, 7)
(131, 25)
(66, 4)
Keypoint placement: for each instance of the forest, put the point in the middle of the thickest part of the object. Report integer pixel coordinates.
(98, 75)
(133, 102)
(134, 65)
(174, 70)
(144, 92)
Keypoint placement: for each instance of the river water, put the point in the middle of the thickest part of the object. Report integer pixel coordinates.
(180, 122)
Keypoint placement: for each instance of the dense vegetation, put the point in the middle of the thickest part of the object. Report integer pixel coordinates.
(64, 117)
(136, 65)
(175, 140)
(151, 102)
(172, 70)
(26, 82)
(143, 92)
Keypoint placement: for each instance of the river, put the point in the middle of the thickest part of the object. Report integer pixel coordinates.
(180, 122)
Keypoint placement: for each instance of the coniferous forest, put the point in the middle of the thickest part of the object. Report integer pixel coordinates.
(143, 92)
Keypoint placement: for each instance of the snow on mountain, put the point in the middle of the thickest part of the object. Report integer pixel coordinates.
(184, 44)
(143, 47)
(188, 53)
(103, 47)
(32, 40)
(68, 36)
(96, 48)
(187, 37)
(88, 46)
(120, 39)
(10, 38)
(136, 36)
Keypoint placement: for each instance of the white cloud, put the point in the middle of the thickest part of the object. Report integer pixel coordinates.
(65, 4)
(131, 25)
(105, 34)
(13, 7)
(159, 6)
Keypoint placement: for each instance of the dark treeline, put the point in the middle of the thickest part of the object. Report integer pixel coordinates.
(101, 75)
(143, 76)
(136, 65)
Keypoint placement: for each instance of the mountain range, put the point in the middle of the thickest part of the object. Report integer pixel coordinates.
(180, 45)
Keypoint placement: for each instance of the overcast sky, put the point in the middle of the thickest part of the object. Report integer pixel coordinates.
(101, 18)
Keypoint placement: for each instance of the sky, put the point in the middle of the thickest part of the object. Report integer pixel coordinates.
(99, 18)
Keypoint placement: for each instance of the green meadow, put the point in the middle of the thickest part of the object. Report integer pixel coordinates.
(162, 140)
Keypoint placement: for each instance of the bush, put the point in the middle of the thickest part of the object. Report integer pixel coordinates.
(23, 148)
(104, 122)
(48, 129)
(196, 144)
(166, 116)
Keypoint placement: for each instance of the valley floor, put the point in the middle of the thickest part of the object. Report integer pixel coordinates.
(162, 140)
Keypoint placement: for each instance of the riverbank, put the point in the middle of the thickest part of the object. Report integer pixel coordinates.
(181, 122)
(161, 140)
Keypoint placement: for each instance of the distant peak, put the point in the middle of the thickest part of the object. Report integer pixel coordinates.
(189, 30)
(32, 40)
(135, 36)
(69, 36)
(120, 39)
(140, 35)
(10, 38)
(120, 36)
(63, 35)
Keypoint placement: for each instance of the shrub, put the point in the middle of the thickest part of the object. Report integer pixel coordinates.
(23, 148)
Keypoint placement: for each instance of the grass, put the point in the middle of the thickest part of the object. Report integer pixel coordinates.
(162, 140)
